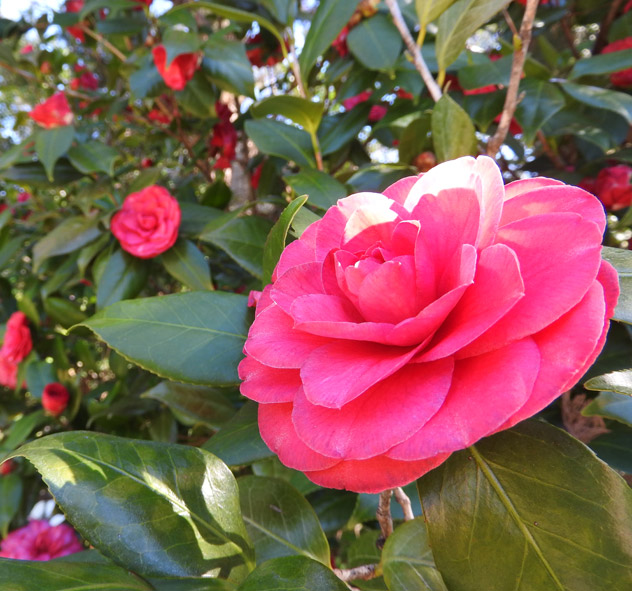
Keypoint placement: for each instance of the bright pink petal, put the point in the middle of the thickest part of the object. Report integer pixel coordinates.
(485, 391)
(267, 384)
(420, 389)
(296, 253)
(277, 431)
(399, 190)
(350, 370)
(296, 282)
(369, 225)
(521, 186)
(374, 475)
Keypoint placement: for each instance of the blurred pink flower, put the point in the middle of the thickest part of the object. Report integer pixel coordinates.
(38, 540)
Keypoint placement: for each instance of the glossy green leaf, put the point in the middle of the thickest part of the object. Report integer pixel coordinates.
(366, 548)
(63, 311)
(197, 97)
(531, 495)
(615, 447)
(407, 560)
(208, 345)
(292, 573)
(321, 189)
(196, 217)
(34, 174)
(153, 492)
(227, 64)
(57, 575)
(377, 177)
(10, 248)
(458, 23)
(338, 130)
(415, 139)
(306, 113)
(191, 584)
(92, 157)
(187, 264)
(453, 132)
(273, 468)
(542, 100)
(51, 144)
(193, 404)
(146, 80)
(601, 98)
(70, 235)
(282, 10)
(10, 498)
(238, 442)
(621, 260)
(280, 521)
(479, 75)
(122, 25)
(123, 277)
(331, 16)
(177, 41)
(38, 375)
(375, 43)
(602, 64)
(611, 406)
(242, 239)
(21, 429)
(92, 6)
(275, 243)
(13, 154)
(430, 10)
(278, 139)
(617, 381)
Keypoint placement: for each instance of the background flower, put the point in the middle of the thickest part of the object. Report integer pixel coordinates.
(55, 398)
(38, 540)
(53, 112)
(17, 343)
(179, 71)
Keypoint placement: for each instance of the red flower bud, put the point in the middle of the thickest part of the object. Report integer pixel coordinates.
(55, 398)
(7, 467)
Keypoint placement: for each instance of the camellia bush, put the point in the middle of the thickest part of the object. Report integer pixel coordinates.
(316, 295)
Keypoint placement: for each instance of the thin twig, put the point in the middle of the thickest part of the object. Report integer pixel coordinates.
(546, 148)
(296, 70)
(113, 50)
(418, 60)
(519, 58)
(510, 23)
(604, 28)
(568, 34)
(383, 513)
(363, 573)
(18, 71)
(402, 498)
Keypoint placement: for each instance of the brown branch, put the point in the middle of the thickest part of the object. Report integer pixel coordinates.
(604, 28)
(568, 34)
(510, 23)
(18, 71)
(519, 58)
(402, 498)
(293, 59)
(550, 153)
(113, 50)
(383, 513)
(364, 573)
(413, 48)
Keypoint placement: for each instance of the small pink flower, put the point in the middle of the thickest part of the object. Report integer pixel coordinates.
(17, 342)
(55, 398)
(353, 101)
(38, 540)
(612, 186)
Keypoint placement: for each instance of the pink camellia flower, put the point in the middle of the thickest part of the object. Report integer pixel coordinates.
(407, 325)
(223, 142)
(75, 30)
(53, 112)
(621, 78)
(27, 49)
(612, 186)
(353, 101)
(8, 373)
(148, 222)
(17, 343)
(39, 540)
(55, 398)
(180, 70)
(87, 81)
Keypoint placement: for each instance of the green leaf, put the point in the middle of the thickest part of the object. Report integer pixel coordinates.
(193, 404)
(617, 381)
(242, 239)
(282, 10)
(322, 189)
(10, 248)
(407, 560)
(273, 468)
(377, 177)
(145, 81)
(187, 264)
(430, 10)
(279, 139)
(38, 375)
(621, 260)
(542, 100)
(157, 509)
(602, 64)
(375, 43)
(614, 447)
(611, 406)
(63, 311)
(453, 132)
(197, 97)
(51, 144)
(414, 139)
(610, 100)
(123, 277)
(228, 66)
(306, 113)
(279, 521)
(177, 42)
(533, 496)
(92, 157)
(72, 234)
(292, 573)
(338, 130)
(34, 174)
(13, 154)
(275, 243)
(238, 442)
(458, 23)
(21, 429)
(58, 575)
(208, 344)
(479, 75)
(191, 584)
(10, 499)
(124, 25)
(331, 16)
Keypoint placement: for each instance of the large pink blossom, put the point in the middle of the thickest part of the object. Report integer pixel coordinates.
(407, 325)
(38, 540)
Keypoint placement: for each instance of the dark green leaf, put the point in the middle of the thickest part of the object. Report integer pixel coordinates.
(10, 248)
(154, 493)
(149, 331)
(377, 177)
(407, 560)
(92, 157)
(145, 81)
(51, 144)
(495, 72)
(331, 16)
(193, 404)
(280, 521)
(611, 100)
(532, 496)
(10, 498)
(430, 10)
(337, 130)
(21, 429)
(453, 132)
(227, 65)
(272, 467)
(375, 43)
(542, 100)
(621, 260)
(602, 64)
(414, 139)
(322, 189)
(615, 447)
(292, 573)
(306, 113)
(198, 97)
(123, 277)
(611, 406)
(177, 41)
(282, 10)
(191, 584)
(187, 264)
(123, 25)
(195, 218)
(38, 375)
(617, 381)
(34, 174)
(238, 442)
(278, 139)
(13, 154)
(56, 575)
(63, 311)
(275, 243)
